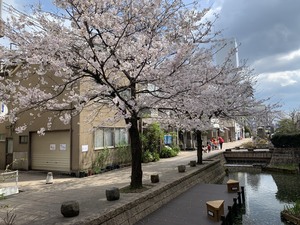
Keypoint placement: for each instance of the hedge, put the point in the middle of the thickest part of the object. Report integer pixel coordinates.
(286, 140)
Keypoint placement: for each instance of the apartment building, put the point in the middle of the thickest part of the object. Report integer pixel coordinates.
(70, 148)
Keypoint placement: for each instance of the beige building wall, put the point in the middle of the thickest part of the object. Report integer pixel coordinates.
(2, 155)
(86, 132)
(80, 131)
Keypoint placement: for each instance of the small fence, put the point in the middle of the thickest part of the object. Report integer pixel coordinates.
(248, 156)
(233, 210)
(9, 183)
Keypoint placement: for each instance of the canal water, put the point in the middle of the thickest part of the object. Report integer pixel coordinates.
(266, 195)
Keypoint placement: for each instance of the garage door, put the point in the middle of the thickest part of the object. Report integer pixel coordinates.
(51, 151)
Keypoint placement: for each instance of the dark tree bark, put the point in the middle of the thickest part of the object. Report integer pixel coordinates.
(199, 147)
(136, 153)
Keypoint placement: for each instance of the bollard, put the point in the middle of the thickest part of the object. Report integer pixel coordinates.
(193, 163)
(243, 194)
(49, 179)
(234, 201)
(154, 178)
(70, 208)
(112, 194)
(239, 198)
(229, 215)
(223, 219)
(234, 207)
(181, 168)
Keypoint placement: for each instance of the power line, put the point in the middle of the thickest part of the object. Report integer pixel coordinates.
(17, 13)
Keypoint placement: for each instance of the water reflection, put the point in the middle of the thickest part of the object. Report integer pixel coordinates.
(266, 195)
(288, 187)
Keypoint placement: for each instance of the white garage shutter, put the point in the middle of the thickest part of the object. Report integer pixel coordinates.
(51, 151)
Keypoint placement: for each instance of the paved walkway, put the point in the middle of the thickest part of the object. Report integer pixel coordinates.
(39, 203)
(189, 207)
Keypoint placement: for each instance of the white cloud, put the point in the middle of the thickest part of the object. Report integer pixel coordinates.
(283, 79)
(291, 55)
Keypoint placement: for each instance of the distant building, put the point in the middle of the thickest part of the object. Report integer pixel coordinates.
(227, 51)
(1, 24)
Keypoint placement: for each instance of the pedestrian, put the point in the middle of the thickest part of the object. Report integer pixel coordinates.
(214, 144)
(221, 141)
(208, 146)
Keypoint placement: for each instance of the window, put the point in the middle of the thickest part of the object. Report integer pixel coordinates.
(121, 136)
(2, 137)
(23, 139)
(98, 138)
(110, 137)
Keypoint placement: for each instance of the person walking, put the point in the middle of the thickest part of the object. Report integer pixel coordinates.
(214, 144)
(208, 146)
(221, 141)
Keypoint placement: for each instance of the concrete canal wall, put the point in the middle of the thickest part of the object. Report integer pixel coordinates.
(270, 157)
(285, 156)
(211, 171)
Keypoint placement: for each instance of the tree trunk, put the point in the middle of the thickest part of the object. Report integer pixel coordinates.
(136, 153)
(199, 147)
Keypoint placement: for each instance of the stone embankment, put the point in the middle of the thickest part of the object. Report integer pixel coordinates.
(41, 203)
(291, 219)
(211, 171)
(285, 156)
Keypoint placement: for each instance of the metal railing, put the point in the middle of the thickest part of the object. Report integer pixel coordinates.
(9, 183)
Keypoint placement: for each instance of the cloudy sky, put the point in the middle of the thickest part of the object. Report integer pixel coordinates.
(268, 32)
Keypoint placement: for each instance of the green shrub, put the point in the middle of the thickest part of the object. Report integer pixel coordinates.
(152, 137)
(168, 152)
(150, 156)
(294, 209)
(286, 140)
(123, 153)
(176, 149)
(100, 160)
(147, 157)
(248, 144)
(155, 156)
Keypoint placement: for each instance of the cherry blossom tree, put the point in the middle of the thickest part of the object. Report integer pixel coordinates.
(216, 91)
(122, 54)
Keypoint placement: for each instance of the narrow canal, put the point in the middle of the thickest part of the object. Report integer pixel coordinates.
(266, 195)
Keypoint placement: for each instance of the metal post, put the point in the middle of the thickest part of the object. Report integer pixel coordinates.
(229, 217)
(223, 219)
(239, 198)
(243, 194)
(234, 201)
(234, 207)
